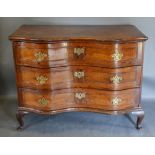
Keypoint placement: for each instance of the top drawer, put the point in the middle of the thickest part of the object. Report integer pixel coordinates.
(78, 53)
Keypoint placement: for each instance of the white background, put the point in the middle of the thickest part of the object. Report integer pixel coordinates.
(77, 146)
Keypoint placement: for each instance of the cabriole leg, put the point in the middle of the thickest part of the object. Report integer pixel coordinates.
(19, 116)
(140, 117)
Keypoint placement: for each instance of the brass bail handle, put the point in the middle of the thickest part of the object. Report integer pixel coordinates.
(117, 56)
(43, 101)
(40, 56)
(41, 79)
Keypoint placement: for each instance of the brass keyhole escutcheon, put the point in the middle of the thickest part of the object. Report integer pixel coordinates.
(79, 51)
(80, 95)
(79, 74)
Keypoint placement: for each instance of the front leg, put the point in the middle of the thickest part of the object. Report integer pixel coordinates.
(19, 116)
(140, 117)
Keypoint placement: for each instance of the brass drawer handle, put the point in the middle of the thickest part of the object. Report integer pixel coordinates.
(116, 79)
(116, 101)
(43, 101)
(79, 74)
(79, 52)
(80, 95)
(41, 79)
(40, 56)
(117, 56)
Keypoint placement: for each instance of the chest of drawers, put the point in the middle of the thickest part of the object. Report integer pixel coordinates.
(79, 68)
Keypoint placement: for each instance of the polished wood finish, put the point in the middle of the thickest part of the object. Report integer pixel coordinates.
(62, 54)
(79, 68)
(50, 33)
(65, 98)
(94, 77)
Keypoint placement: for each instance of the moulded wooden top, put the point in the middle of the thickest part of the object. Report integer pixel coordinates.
(74, 32)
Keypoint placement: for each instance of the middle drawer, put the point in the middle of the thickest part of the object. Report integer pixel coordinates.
(79, 77)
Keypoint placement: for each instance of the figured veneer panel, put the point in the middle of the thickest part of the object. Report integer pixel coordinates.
(62, 99)
(64, 77)
(62, 54)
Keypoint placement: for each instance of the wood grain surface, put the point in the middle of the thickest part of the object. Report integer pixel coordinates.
(62, 54)
(68, 32)
(65, 98)
(66, 77)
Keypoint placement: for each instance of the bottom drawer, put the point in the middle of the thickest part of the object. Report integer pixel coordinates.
(79, 98)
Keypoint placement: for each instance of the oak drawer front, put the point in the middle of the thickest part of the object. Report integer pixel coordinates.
(79, 76)
(79, 98)
(64, 54)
